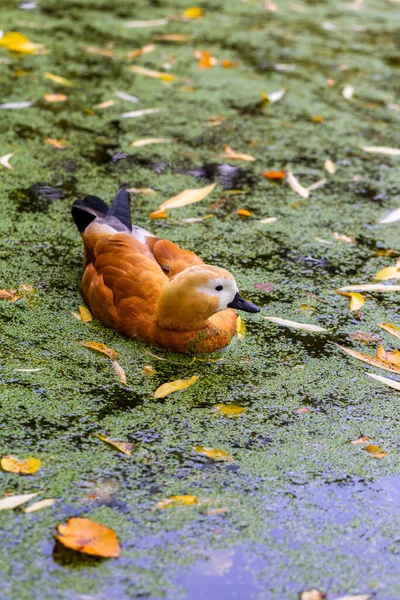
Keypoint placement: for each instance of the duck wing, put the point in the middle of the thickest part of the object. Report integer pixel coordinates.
(171, 258)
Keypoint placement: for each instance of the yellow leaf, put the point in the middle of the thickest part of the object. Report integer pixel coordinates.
(85, 314)
(5, 160)
(125, 447)
(158, 214)
(392, 329)
(174, 386)
(141, 191)
(214, 454)
(188, 197)
(147, 141)
(193, 12)
(29, 466)
(149, 370)
(55, 97)
(186, 500)
(295, 325)
(243, 212)
(99, 347)
(356, 299)
(382, 150)
(375, 451)
(371, 360)
(295, 185)
(228, 410)
(151, 73)
(60, 144)
(240, 327)
(392, 357)
(39, 505)
(330, 166)
(89, 537)
(10, 502)
(388, 273)
(57, 79)
(173, 37)
(17, 42)
(119, 371)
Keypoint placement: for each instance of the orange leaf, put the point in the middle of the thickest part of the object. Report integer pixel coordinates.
(227, 64)
(29, 466)
(89, 537)
(361, 440)
(55, 97)
(371, 360)
(60, 144)
(99, 347)
(141, 51)
(158, 214)
(375, 451)
(392, 357)
(206, 61)
(275, 175)
(244, 213)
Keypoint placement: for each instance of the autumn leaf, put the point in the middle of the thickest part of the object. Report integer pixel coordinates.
(124, 447)
(330, 166)
(174, 386)
(268, 220)
(119, 371)
(370, 287)
(10, 502)
(295, 325)
(231, 154)
(274, 175)
(185, 500)
(393, 383)
(89, 537)
(149, 370)
(173, 37)
(243, 212)
(193, 12)
(296, 185)
(141, 51)
(206, 61)
(149, 23)
(59, 144)
(228, 64)
(388, 273)
(158, 214)
(318, 119)
(228, 410)
(240, 328)
(99, 347)
(55, 97)
(39, 505)
(188, 197)
(5, 160)
(392, 357)
(100, 51)
(312, 594)
(302, 410)
(371, 360)
(272, 97)
(17, 42)
(375, 451)
(148, 141)
(151, 73)
(57, 79)
(392, 329)
(391, 217)
(356, 299)
(12, 464)
(214, 453)
(343, 238)
(105, 104)
(366, 338)
(361, 440)
(382, 150)
(139, 113)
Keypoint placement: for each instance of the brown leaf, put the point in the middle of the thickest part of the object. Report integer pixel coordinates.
(366, 338)
(124, 447)
(371, 360)
(59, 144)
(174, 386)
(99, 347)
(12, 464)
(302, 410)
(89, 537)
(375, 451)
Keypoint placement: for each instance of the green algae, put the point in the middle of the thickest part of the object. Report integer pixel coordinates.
(292, 492)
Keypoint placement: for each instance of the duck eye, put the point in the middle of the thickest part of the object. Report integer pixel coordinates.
(219, 288)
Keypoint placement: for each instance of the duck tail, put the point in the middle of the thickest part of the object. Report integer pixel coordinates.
(87, 210)
(121, 208)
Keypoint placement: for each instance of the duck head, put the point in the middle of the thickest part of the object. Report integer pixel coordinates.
(197, 293)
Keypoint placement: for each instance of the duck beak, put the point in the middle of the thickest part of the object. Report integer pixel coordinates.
(241, 304)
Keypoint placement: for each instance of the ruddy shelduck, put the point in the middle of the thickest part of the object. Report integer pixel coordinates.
(148, 288)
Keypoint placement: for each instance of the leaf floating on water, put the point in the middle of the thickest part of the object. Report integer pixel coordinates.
(173, 37)
(59, 144)
(228, 410)
(393, 383)
(370, 287)
(89, 537)
(375, 451)
(356, 596)
(39, 505)
(274, 96)
(366, 338)
(148, 141)
(100, 51)
(158, 214)
(55, 97)
(9, 295)
(127, 97)
(174, 386)
(105, 104)
(371, 360)
(348, 92)
(392, 329)
(240, 328)
(188, 197)
(99, 347)
(302, 410)
(206, 61)
(141, 51)
(388, 273)
(150, 23)
(391, 217)
(141, 191)
(139, 113)
(243, 212)
(17, 42)
(15, 105)
(151, 73)
(149, 370)
(296, 185)
(12, 464)
(318, 184)
(312, 594)
(274, 175)
(186, 500)
(193, 12)
(29, 370)
(295, 325)
(120, 372)
(381, 150)
(268, 220)
(228, 64)
(214, 453)
(230, 153)
(5, 160)
(85, 314)
(343, 238)
(356, 299)
(57, 79)
(124, 447)
(391, 356)
(361, 440)
(330, 166)
(10, 502)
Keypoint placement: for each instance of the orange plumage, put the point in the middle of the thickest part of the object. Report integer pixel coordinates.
(150, 289)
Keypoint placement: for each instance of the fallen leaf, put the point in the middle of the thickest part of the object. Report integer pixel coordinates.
(355, 597)
(375, 451)
(348, 92)
(59, 144)
(370, 287)
(371, 360)
(295, 325)
(120, 372)
(89, 537)
(343, 238)
(228, 64)
(127, 97)
(206, 61)
(141, 191)
(214, 454)
(139, 113)
(39, 505)
(391, 217)
(149, 370)
(273, 96)
(392, 329)
(158, 214)
(55, 97)
(198, 219)
(173, 37)
(99, 347)
(330, 166)
(268, 220)
(17, 42)
(381, 150)
(366, 338)
(57, 79)
(10, 502)
(85, 314)
(148, 141)
(230, 153)
(361, 440)
(228, 410)
(100, 51)
(302, 410)
(12, 464)
(318, 184)
(188, 197)
(105, 104)
(5, 160)
(29, 370)
(265, 287)
(388, 273)
(14, 105)
(240, 328)
(312, 594)
(186, 500)
(274, 175)
(215, 121)
(295, 185)
(390, 356)
(243, 212)
(174, 386)
(356, 299)
(9, 295)
(318, 119)
(217, 511)
(150, 23)
(393, 383)
(124, 447)
(151, 73)
(193, 12)
(270, 6)
(140, 51)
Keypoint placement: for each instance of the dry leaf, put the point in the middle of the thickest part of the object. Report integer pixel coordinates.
(57, 79)
(243, 212)
(391, 356)
(274, 96)
(9, 295)
(173, 37)
(356, 299)
(5, 160)
(274, 175)
(388, 273)
(391, 217)
(99, 347)
(139, 113)
(312, 594)
(150, 23)
(228, 64)
(17, 42)
(270, 6)
(186, 500)
(318, 184)
(12, 464)
(154, 74)
(174, 386)
(229, 153)
(348, 92)
(10, 502)
(302, 410)
(366, 338)
(141, 191)
(295, 185)
(147, 141)
(381, 150)
(100, 51)
(188, 197)
(59, 144)
(392, 329)
(215, 121)
(214, 454)
(393, 383)
(149, 370)
(124, 447)
(119, 371)
(158, 214)
(371, 360)
(193, 12)
(85, 314)
(361, 440)
(141, 51)
(268, 220)
(205, 59)
(105, 104)
(14, 105)
(265, 287)
(228, 410)
(343, 238)
(295, 325)
(89, 537)
(127, 97)
(375, 451)
(55, 97)
(330, 166)
(39, 505)
(370, 287)
(318, 119)
(240, 328)
(198, 219)
(217, 511)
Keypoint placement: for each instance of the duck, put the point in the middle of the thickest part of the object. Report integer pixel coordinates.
(148, 288)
